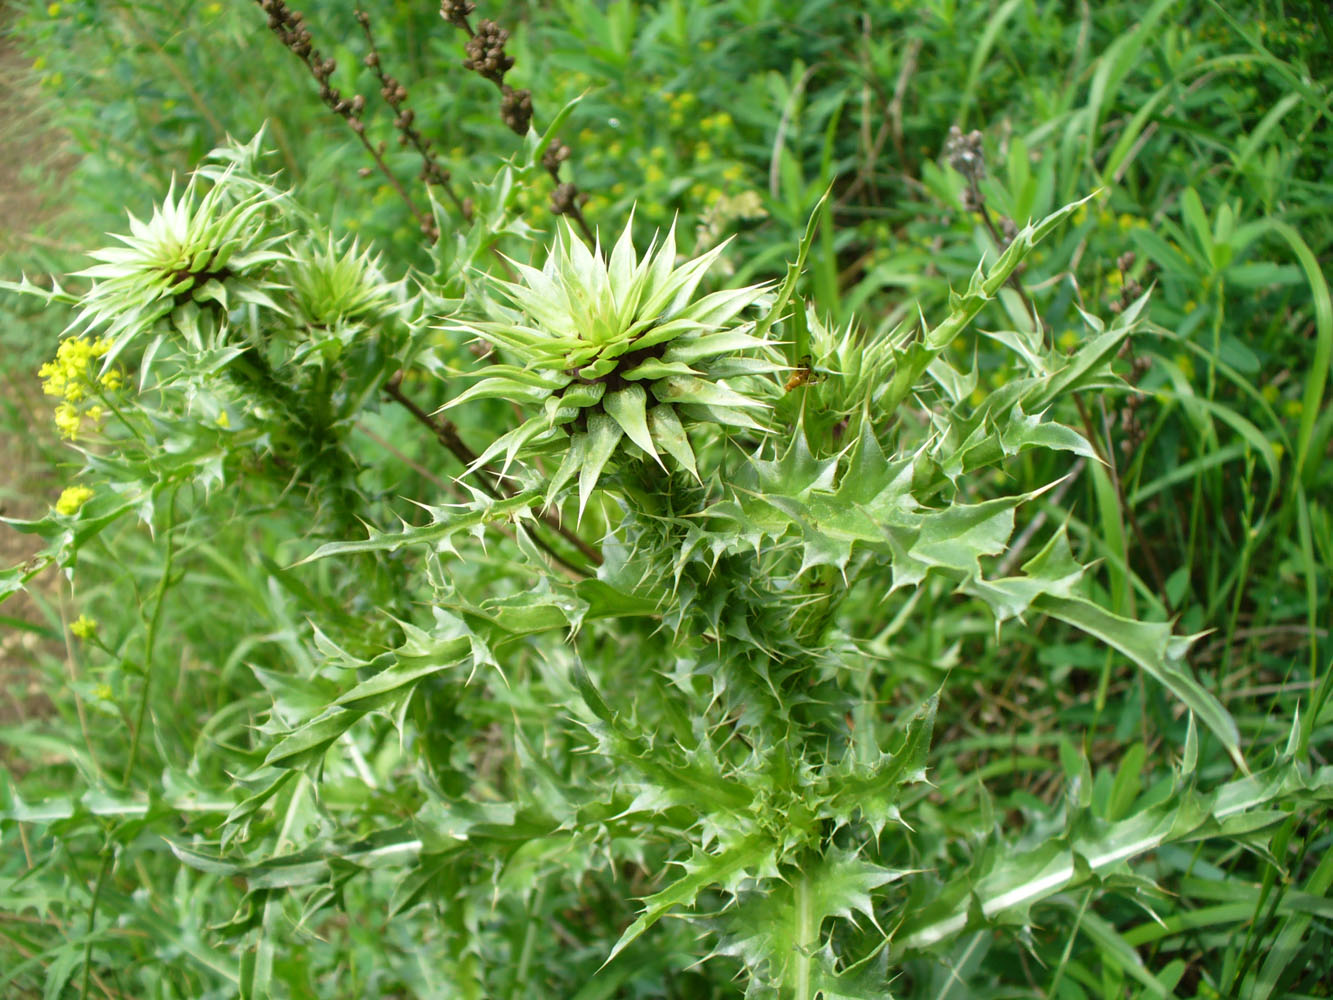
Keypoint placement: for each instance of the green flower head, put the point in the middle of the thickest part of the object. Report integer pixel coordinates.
(195, 248)
(619, 355)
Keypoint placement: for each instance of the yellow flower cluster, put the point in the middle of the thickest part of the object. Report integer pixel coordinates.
(83, 627)
(680, 105)
(71, 376)
(717, 124)
(71, 499)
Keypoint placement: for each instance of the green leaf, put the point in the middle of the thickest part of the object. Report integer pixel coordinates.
(388, 685)
(446, 524)
(779, 928)
(702, 871)
(796, 352)
(1154, 648)
(1016, 880)
(309, 743)
(868, 781)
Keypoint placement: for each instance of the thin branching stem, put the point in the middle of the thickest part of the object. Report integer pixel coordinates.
(103, 870)
(446, 433)
(150, 641)
(432, 172)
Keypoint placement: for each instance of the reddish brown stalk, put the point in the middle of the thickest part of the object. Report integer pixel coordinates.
(433, 173)
(446, 433)
(289, 26)
(487, 58)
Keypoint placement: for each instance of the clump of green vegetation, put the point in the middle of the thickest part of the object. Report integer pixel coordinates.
(874, 542)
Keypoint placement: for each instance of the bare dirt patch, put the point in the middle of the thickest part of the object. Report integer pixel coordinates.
(34, 158)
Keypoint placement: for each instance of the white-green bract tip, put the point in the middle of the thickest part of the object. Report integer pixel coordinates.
(618, 355)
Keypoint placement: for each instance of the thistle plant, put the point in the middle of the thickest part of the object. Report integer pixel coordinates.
(194, 249)
(536, 743)
(621, 356)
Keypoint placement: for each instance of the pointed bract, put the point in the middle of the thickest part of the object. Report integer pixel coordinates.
(618, 350)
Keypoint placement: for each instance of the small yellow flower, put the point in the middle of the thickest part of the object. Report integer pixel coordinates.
(978, 396)
(84, 627)
(1292, 409)
(1269, 393)
(1068, 341)
(71, 499)
(68, 420)
(102, 692)
(53, 10)
(223, 420)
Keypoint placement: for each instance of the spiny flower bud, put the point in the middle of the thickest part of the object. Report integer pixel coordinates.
(620, 358)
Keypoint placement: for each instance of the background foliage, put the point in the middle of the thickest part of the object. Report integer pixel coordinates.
(201, 796)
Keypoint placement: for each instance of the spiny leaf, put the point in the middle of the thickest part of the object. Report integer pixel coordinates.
(445, 526)
(1023, 879)
(701, 872)
(1154, 648)
(777, 929)
(668, 432)
(389, 684)
(309, 743)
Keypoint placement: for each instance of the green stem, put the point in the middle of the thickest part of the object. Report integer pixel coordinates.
(519, 989)
(807, 934)
(150, 641)
(92, 916)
